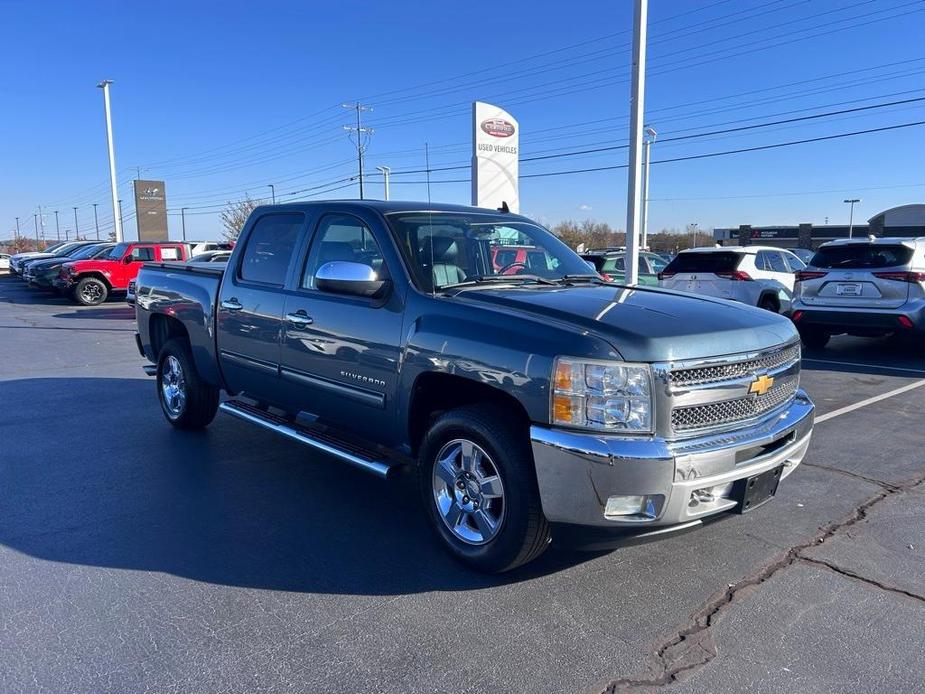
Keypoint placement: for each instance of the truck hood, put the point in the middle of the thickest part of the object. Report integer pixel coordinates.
(647, 324)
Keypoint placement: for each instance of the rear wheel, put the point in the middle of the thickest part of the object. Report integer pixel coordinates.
(187, 401)
(814, 338)
(90, 291)
(479, 488)
(769, 302)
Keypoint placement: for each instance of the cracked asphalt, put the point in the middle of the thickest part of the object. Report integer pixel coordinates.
(135, 557)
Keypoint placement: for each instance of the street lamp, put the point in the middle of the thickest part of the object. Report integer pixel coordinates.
(57, 226)
(385, 171)
(183, 221)
(272, 192)
(76, 226)
(644, 226)
(113, 184)
(96, 222)
(851, 202)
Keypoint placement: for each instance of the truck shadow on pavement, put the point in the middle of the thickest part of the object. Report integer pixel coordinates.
(111, 484)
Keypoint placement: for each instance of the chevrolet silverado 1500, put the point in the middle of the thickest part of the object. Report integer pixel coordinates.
(534, 401)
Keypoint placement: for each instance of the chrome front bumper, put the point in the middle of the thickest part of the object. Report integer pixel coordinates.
(578, 472)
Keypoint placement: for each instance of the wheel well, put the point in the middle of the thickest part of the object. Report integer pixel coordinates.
(163, 328)
(435, 393)
(772, 296)
(96, 276)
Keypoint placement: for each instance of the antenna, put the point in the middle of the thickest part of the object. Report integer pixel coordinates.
(362, 136)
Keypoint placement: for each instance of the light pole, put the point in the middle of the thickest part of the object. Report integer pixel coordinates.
(693, 227)
(637, 109)
(119, 204)
(18, 234)
(76, 226)
(57, 226)
(851, 202)
(116, 215)
(272, 192)
(35, 220)
(385, 171)
(183, 221)
(96, 222)
(650, 131)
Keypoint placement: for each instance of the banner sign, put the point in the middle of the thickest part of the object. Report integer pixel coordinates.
(151, 210)
(495, 153)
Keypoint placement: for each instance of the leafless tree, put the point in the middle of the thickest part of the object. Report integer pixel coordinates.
(235, 215)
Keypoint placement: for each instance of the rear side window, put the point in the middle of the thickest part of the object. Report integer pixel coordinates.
(269, 249)
(721, 261)
(861, 256)
(170, 253)
(141, 253)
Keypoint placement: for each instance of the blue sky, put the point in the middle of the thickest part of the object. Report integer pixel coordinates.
(221, 99)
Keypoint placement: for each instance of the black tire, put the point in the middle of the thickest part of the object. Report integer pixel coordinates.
(814, 338)
(200, 400)
(90, 291)
(523, 533)
(769, 302)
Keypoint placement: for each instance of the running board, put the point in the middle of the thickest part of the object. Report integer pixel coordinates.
(306, 437)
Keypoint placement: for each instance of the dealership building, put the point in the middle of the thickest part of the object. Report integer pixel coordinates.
(906, 221)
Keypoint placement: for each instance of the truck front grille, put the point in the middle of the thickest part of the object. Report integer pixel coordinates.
(731, 411)
(715, 373)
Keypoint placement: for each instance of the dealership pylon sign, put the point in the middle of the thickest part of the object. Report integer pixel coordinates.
(495, 152)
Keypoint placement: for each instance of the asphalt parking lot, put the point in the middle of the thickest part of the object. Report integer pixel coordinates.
(134, 556)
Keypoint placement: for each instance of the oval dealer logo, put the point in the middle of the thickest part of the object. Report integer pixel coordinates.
(497, 127)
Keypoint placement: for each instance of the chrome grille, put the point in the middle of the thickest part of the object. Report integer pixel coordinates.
(731, 411)
(768, 361)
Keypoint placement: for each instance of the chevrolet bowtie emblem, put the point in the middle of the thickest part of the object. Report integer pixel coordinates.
(761, 385)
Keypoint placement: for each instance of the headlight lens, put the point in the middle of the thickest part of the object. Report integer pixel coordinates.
(601, 395)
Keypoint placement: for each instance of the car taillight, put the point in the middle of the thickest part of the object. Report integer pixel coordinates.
(666, 275)
(901, 276)
(606, 277)
(797, 315)
(906, 322)
(803, 275)
(738, 275)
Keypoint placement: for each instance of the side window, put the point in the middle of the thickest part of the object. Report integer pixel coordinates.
(346, 238)
(142, 253)
(777, 262)
(761, 261)
(656, 263)
(793, 262)
(169, 253)
(269, 249)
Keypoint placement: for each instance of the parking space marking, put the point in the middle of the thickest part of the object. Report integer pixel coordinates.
(869, 401)
(867, 366)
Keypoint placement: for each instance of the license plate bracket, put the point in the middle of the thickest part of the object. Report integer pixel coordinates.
(757, 490)
(848, 289)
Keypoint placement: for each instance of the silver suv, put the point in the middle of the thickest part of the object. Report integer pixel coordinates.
(868, 287)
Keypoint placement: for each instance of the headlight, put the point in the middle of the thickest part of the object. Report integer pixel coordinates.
(604, 396)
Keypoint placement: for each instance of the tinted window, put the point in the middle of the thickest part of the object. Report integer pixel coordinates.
(342, 237)
(861, 256)
(614, 264)
(721, 261)
(793, 262)
(270, 246)
(656, 264)
(118, 251)
(141, 253)
(776, 262)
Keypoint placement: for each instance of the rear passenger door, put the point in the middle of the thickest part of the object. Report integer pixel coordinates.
(251, 302)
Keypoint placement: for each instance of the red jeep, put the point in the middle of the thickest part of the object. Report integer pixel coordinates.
(90, 282)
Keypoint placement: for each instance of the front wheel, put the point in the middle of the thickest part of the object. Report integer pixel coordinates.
(187, 401)
(90, 291)
(479, 488)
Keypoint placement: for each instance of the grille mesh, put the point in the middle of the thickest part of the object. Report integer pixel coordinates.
(725, 372)
(730, 411)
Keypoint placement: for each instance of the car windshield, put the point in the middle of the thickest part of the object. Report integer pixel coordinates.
(84, 252)
(443, 249)
(861, 256)
(117, 252)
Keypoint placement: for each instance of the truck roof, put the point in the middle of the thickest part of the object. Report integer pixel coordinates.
(390, 206)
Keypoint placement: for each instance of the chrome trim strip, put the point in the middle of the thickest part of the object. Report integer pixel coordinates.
(250, 362)
(365, 397)
(726, 359)
(376, 467)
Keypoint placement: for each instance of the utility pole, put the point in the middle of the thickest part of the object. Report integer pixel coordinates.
(116, 214)
(637, 109)
(119, 203)
(76, 226)
(35, 220)
(650, 131)
(96, 222)
(272, 192)
(183, 221)
(851, 202)
(42, 222)
(57, 226)
(362, 136)
(385, 171)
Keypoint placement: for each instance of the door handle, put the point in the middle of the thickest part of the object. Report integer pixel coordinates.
(300, 318)
(232, 304)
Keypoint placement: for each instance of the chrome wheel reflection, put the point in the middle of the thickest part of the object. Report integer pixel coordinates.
(468, 492)
(173, 387)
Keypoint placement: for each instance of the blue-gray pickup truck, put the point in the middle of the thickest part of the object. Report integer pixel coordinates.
(533, 401)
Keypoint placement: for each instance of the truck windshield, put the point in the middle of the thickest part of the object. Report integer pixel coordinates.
(443, 249)
(117, 252)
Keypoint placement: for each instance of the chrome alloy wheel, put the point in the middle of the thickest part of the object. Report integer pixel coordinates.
(468, 492)
(173, 387)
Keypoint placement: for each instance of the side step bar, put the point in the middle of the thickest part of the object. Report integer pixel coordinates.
(306, 437)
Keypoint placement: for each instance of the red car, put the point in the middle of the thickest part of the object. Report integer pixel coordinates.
(90, 282)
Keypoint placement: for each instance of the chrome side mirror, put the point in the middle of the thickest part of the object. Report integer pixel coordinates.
(355, 279)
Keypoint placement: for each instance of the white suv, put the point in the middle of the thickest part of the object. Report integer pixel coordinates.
(758, 275)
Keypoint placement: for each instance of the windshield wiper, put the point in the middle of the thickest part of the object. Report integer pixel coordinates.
(499, 279)
(572, 279)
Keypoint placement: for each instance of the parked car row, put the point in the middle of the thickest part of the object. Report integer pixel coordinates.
(89, 272)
